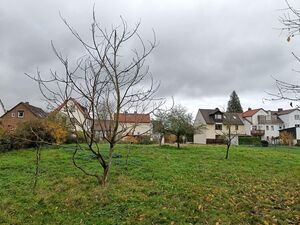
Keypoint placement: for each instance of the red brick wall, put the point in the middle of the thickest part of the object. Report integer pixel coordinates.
(10, 123)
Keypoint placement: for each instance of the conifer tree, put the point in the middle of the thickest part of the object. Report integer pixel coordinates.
(234, 105)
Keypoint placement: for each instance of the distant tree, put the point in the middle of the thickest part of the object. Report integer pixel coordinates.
(179, 123)
(159, 124)
(234, 105)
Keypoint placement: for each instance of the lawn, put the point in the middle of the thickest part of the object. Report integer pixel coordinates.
(163, 185)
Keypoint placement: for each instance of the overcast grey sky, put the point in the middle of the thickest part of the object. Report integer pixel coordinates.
(206, 48)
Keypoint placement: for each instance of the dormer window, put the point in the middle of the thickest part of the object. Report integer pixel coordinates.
(218, 116)
(20, 114)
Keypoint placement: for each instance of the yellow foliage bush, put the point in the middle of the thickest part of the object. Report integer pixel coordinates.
(286, 138)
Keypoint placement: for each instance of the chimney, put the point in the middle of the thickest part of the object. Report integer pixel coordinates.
(280, 109)
(27, 103)
(135, 112)
(249, 109)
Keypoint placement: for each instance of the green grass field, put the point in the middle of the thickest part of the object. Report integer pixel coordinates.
(192, 185)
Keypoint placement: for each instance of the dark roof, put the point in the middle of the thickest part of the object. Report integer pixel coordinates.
(284, 112)
(229, 118)
(38, 112)
(233, 119)
(134, 118)
(208, 115)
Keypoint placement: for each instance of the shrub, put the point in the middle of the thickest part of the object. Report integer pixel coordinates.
(249, 140)
(286, 138)
(73, 137)
(264, 143)
(31, 133)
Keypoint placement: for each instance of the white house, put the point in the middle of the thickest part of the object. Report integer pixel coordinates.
(135, 124)
(291, 120)
(2, 109)
(215, 125)
(262, 123)
(290, 117)
(77, 113)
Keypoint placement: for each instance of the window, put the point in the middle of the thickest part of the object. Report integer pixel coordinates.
(218, 116)
(297, 125)
(13, 114)
(297, 117)
(236, 127)
(254, 127)
(267, 127)
(20, 114)
(218, 126)
(272, 127)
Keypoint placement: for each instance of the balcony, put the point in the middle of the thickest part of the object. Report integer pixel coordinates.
(257, 132)
(267, 119)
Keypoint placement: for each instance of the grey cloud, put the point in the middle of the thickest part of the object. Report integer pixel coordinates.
(206, 48)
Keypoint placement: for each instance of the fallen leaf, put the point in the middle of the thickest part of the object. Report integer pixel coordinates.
(141, 217)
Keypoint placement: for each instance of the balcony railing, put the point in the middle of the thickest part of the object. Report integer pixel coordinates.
(257, 132)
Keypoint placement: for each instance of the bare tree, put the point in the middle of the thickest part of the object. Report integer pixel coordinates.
(230, 136)
(291, 25)
(107, 79)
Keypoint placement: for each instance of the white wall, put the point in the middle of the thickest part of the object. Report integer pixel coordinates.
(289, 119)
(201, 135)
(136, 128)
(271, 132)
(76, 114)
(247, 125)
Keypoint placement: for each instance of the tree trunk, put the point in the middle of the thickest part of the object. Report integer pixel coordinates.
(37, 167)
(178, 145)
(107, 168)
(104, 179)
(227, 152)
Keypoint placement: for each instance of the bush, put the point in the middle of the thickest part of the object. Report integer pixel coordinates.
(74, 137)
(286, 138)
(264, 143)
(31, 133)
(249, 140)
(5, 143)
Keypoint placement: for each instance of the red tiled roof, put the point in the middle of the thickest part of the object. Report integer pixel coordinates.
(134, 118)
(250, 112)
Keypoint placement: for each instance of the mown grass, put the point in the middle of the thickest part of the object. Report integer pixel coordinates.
(192, 185)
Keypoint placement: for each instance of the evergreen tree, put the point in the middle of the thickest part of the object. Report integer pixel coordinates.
(234, 105)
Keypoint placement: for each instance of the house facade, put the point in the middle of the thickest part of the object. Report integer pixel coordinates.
(20, 113)
(262, 123)
(291, 122)
(214, 126)
(76, 112)
(135, 124)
